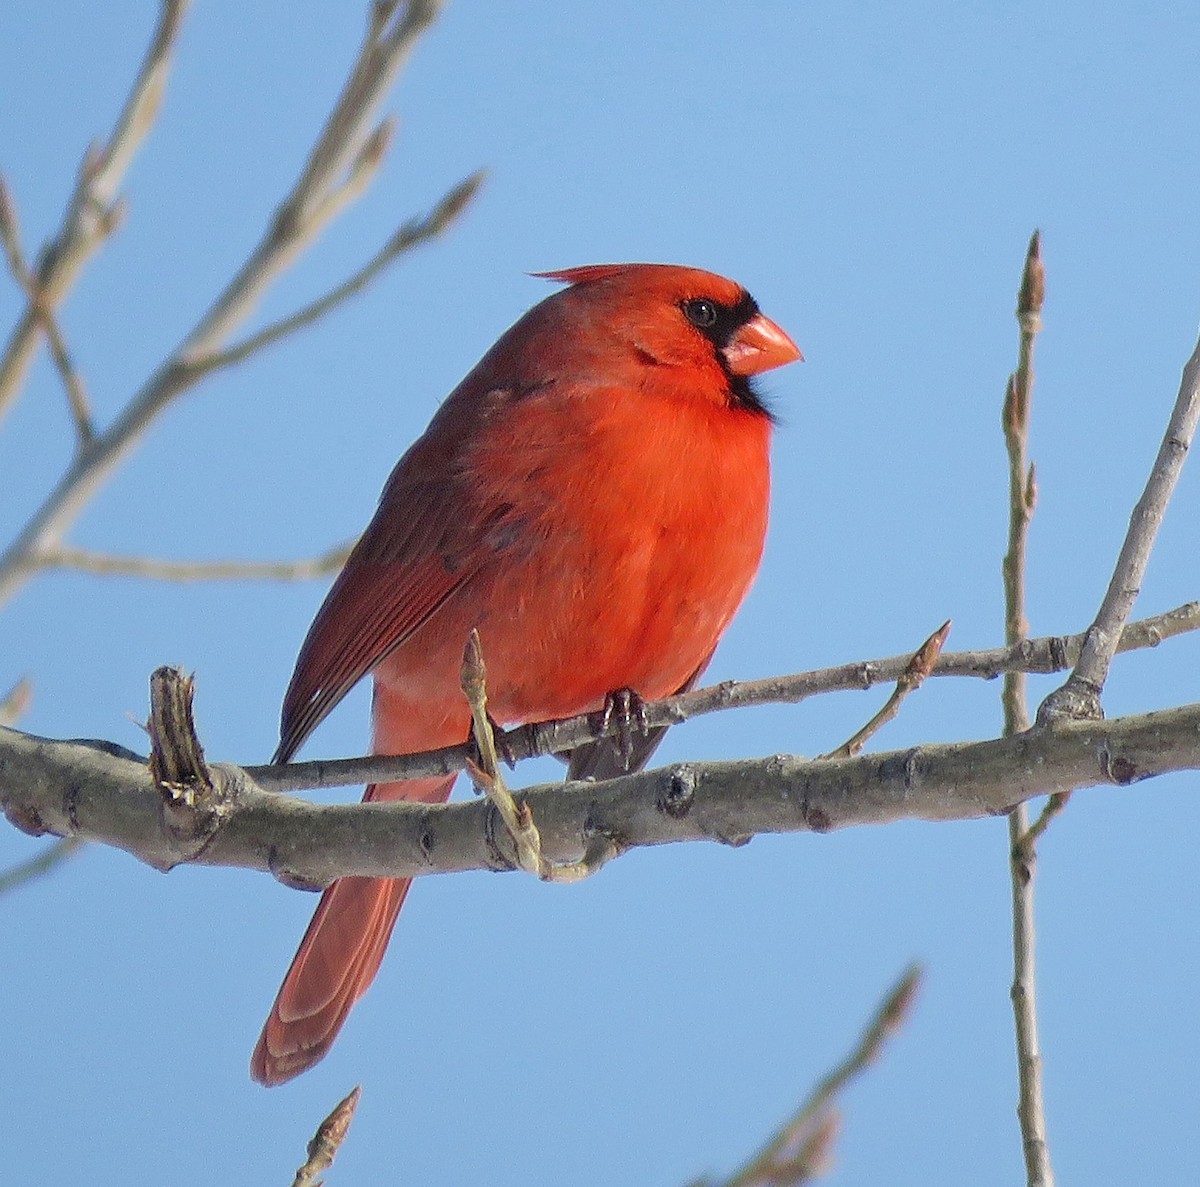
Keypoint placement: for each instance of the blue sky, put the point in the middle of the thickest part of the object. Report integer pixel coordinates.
(872, 173)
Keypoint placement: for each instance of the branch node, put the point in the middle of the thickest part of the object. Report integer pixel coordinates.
(177, 758)
(1077, 700)
(193, 800)
(1120, 770)
(678, 793)
(26, 818)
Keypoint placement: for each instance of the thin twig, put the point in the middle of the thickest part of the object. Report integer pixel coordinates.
(16, 701)
(800, 1149)
(1022, 497)
(77, 399)
(414, 233)
(1080, 695)
(487, 776)
(326, 1142)
(1050, 653)
(94, 210)
(38, 867)
(102, 564)
(1054, 804)
(913, 676)
(343, 150)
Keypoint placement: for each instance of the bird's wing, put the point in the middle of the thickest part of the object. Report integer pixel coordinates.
(409, 561)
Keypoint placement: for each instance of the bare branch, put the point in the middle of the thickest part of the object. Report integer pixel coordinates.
(1031, 1113)
(1027, 841)
(412, 234)
(102, 564)
(486, 776)
(104, 793)
(1080, 695)
(94, 210)
(392, 32)
(341, 158)
(920, 666)
(45, 863)
(15, 702)
(1022, 491)
(799, 1151)
(1052, 653)
(342, 152)
(328, 1139)
(77, 399)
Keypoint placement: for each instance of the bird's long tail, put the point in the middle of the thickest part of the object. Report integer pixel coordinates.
(337, 959)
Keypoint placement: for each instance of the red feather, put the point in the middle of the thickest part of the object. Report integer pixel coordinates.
(593, 499)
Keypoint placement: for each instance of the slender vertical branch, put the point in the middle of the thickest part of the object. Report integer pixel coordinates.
(1022, 496)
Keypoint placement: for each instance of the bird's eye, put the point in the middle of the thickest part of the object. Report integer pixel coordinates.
(701, 313)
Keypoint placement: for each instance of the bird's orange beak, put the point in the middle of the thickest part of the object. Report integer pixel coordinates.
(758, 346)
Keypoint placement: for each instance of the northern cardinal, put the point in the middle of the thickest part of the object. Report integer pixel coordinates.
(593, 499)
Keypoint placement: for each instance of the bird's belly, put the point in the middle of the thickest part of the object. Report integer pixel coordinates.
(616, 575)
(561, 632)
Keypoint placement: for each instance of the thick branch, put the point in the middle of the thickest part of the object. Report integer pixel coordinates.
(104, 793)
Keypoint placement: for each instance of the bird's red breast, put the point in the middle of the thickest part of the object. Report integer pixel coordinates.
(593, 499)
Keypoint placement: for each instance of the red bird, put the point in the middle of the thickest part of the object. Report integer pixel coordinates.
(593, 498)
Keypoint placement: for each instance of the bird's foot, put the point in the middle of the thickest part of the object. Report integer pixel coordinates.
(625, 714)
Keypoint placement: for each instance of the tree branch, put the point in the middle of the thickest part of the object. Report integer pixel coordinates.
(103, 564)
(1080, 695)
(919, 666)
(342, 158)
(325, 1143)
(1022, 490)
(1048, 654)
(412, 234)
(94, 210)
(799, 1151)
(105, 793)
(10, 234)
(16, 701)
(38, 867)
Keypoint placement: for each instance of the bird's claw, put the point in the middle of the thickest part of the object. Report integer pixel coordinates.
(625, 712)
